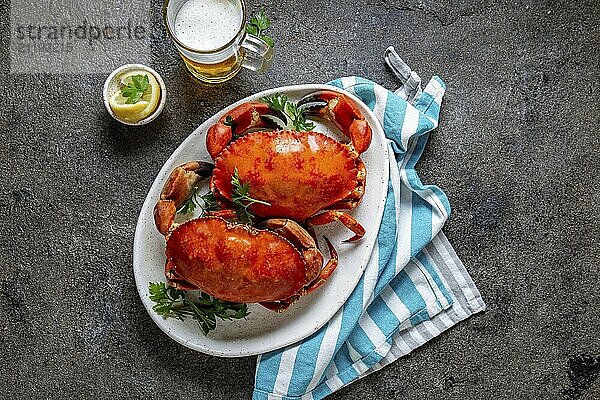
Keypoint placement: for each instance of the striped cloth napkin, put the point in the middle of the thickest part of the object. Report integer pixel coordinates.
(414, 286)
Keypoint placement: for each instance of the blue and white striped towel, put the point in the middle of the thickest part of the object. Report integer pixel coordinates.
(414, 286)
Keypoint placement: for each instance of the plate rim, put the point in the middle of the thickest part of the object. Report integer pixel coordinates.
(142, 288)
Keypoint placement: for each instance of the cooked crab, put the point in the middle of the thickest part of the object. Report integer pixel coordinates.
(306, 176)
(273, 264)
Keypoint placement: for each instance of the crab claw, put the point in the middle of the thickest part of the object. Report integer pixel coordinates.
(342, 111)
(237, 122)
(311, 103)
(178, 188)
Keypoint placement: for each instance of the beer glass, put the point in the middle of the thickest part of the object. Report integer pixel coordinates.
(211, 38)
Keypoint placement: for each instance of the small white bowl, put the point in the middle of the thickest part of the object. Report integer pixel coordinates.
(112, 77)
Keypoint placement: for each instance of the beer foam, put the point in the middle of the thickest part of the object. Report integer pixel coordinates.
(207, 24)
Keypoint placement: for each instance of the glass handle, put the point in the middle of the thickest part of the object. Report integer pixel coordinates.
(258, 55)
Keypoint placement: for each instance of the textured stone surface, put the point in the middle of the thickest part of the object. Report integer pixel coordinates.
(516, 151)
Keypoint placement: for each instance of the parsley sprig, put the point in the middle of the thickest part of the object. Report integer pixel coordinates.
(189, 206)
(174, 303)
(276, 102)
(134, 90)
(257, 25)
(296, 117)
(209, 203)
(240, 197)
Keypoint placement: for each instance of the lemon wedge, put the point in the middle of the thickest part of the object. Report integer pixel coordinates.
(144, 107)
(152, 94)
(127, 112)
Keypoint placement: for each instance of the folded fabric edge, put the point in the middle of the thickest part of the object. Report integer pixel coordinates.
(454, 274)
(467, 301)
(430, 101)
(360, 367)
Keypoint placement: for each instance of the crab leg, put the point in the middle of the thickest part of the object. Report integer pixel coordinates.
(280, 306)
(346, 219)
(326, 271)
(178, 188)
(342, 111)
(315, 272)
(236, 122)
(302, 240)
(225, 214)
(311, 232)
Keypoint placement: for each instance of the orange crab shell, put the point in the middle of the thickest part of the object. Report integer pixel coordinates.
(299, 173)
(236, 262)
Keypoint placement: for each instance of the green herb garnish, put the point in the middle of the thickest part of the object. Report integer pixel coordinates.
(240, 197)
(257, 25)
(209, 203)
(189, 205)
(276, 102)
(134, 90)
(296, 117)
(174, 303)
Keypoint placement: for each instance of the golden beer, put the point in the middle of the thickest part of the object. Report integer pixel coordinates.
(217, 72)
(211, 38)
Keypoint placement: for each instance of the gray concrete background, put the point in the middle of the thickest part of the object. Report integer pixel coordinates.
(516, 151)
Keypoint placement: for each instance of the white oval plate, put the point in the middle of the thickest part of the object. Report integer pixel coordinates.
(264, 330)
